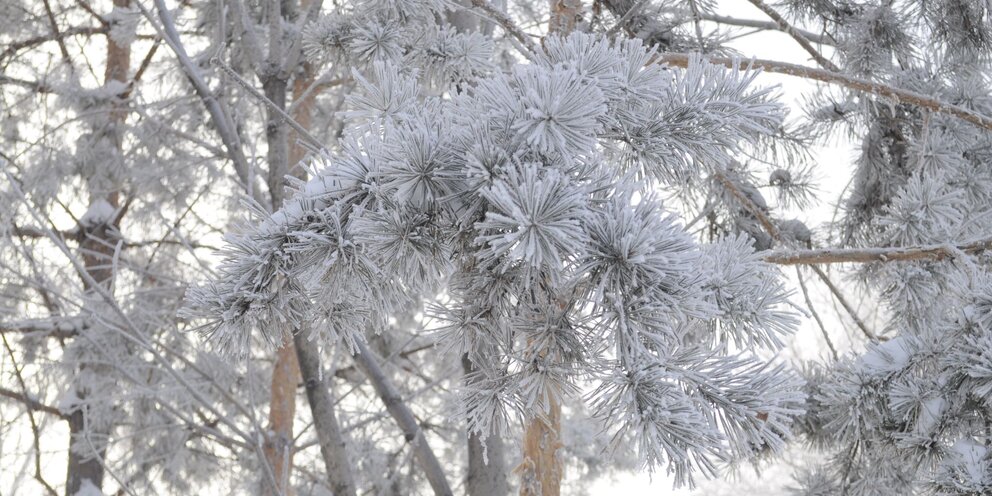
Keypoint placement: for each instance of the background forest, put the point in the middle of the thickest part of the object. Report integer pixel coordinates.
(482, 247)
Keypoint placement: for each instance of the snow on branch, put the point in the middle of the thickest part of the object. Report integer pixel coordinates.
(515, 200)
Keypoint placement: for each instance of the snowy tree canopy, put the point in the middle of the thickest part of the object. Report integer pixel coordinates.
(520, 205)
(481, 247)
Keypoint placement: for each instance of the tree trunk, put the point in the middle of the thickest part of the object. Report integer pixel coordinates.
(541, 471)
(87, 446)
(486, 461)
(278, 445)
(285, 371)
(565, 14)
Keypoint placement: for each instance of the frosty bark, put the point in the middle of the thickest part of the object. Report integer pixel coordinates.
(540, 468)
(870, 255)
(404, 418)
(97, 248)
(282, 408)
(564, 15)
(486, 462)
(282, 404)
(332, 445)
(487, 474)
(540, 471)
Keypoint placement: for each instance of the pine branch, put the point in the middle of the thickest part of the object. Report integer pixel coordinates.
(891, 93)
(774, 232)
(869, 255)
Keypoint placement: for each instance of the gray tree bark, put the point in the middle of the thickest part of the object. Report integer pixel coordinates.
(486, 461)
(367, 362)
(332, 443)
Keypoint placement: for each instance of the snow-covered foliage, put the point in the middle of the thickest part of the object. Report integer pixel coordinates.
(469, 227)
(909, 414)
(520, 206)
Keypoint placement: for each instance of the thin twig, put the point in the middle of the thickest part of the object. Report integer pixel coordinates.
(847, 306)
(622, 22)
(220, 118)
(14, 47)
(816, 316)
(32, 405)
(313, 141)
(796, 35)
(507, 24)
(57, 34)
(765, 25)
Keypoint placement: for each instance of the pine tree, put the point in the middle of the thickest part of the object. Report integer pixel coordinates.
(506, 246)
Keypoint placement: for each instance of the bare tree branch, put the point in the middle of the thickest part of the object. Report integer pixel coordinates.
(891, 93)
(30, 403)
(869, 255)
(17, 46)
(506, 23)
(767, 25)
(366, 360)
(32, 406)
(332, 443)
(220, 118)
(816, 316)
(796, 35)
